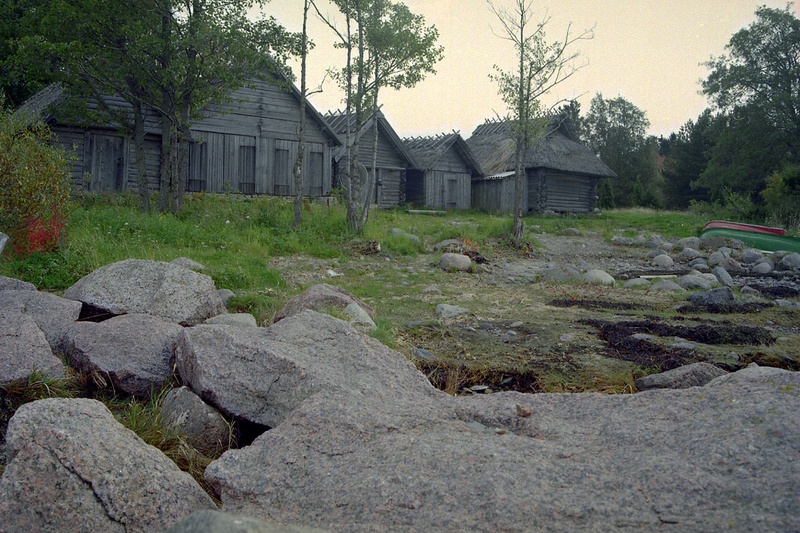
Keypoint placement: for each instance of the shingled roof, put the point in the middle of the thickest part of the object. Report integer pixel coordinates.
(561, 150)
(428, 150)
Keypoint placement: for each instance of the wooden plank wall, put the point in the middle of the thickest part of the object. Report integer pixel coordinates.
(262, 117)
(448, 185)
(495, 195)
(570, 194)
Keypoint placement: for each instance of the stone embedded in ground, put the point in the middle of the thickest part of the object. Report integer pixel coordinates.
(450, 311)
(51, 313)
(637, 283)
(135, 352)
(598, 277)
(570, 232)
(715, 258)
(722, 275)
(263, 374)
(320, 298)
(720, 296)
(191, 264)
(156, 288)
(663, 261)
(690, 242)
(204, 426)
(397, 232)
(218, 522)
(731, 265)
(561, 273)
(695, 282)
(764, 267)
(72, 466)
(790, 262)
(225, 295)
(688, 254)
(512, 462)
(751, 255)
(24, 349)
(666, 285)
(243, 320)
(359, 318)
(11, 284)
(457, 262)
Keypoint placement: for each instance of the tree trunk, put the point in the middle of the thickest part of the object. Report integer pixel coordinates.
(301, 144)
(141, 165)
(166, 167)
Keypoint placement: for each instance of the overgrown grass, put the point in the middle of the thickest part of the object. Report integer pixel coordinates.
(143, 417)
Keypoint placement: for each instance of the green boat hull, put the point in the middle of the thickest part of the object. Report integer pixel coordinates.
(761, 241)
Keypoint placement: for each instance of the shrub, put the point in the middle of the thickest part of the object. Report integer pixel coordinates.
(782, 196)
(34, 186)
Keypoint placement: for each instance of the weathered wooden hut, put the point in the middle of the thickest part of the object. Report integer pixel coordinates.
(444, 172)
(562, 173)
(248, 144)
(392, 162)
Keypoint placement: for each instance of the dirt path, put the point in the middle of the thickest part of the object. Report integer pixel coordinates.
(525, 334)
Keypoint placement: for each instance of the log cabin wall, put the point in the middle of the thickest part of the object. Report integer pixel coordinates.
(445, 179)
(247, 145)
(392, 161)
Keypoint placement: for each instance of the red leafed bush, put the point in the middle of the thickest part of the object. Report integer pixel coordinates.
(34, 186)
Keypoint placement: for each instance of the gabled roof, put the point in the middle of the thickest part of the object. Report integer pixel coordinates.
(338, 123)
(428, 150)
(34, 107)
(560, 150)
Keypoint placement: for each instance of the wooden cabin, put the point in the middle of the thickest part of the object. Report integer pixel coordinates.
(444, 172)
(562, 173)
(246, 145)
(393, 158)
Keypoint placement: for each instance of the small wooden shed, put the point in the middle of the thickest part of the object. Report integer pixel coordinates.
(444, 172)
(393, 158)
(562, 173)
(247, 144)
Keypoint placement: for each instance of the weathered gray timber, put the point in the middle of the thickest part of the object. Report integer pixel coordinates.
(562, 173)
(446, 167)
(392, 162)
(246, 144)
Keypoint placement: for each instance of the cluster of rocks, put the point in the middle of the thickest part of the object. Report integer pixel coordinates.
(356, 438)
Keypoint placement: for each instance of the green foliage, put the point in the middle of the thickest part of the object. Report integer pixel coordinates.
(686, 159)
(387, 46)
(605, 194)
(755, 85)
(782, 197)
(616, 129)
(34, 186)
(760, 70)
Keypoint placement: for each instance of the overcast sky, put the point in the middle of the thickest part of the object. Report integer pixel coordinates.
(647, 51)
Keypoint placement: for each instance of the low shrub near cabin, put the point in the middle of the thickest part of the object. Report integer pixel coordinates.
(34, 186)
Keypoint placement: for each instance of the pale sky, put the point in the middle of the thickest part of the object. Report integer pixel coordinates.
(647, 51)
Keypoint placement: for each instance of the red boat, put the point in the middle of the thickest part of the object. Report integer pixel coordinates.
(739, 226)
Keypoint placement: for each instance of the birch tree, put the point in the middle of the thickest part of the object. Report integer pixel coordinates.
(387, 46)
(540, 66)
